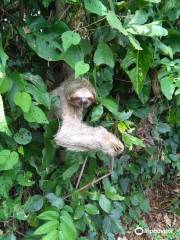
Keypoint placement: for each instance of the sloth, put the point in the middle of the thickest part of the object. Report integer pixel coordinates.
(73, 133)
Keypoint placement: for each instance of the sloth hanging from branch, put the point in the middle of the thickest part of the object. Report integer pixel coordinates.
(73, 133)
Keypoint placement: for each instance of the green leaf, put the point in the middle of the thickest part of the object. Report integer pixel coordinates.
(91, 209)
(4, 84)
(114, 196)
(37, 89)
(45, 40)
(167, 87)
(49, 215)
(19, 212)
(104, 55)
(36, 115)
(95, 6)
(96, 113)
(114, 22)
(130, 140)
(24, 179)
(105, 203)
(23, 100)
(67, 228)
(151, 29)
(54, 200)
(8, 159)
(139, 18)
(52, 235)
(34, 203)
(23, 136)
(3, 59)
(110, 104)
(163, 127)
(81, 68)
(79, 212)
(70, 171)
(70, 38)
(164, 48)
(3, 123)
(134, 42)
(173, 39)
(136, 64)
(73, 55)
(47, 227)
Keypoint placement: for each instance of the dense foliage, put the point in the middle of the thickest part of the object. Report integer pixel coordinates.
(129, 51)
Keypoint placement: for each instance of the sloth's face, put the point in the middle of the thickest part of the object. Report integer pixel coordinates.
(82, 97)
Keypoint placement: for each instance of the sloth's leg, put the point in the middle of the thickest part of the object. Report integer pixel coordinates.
(79, 137)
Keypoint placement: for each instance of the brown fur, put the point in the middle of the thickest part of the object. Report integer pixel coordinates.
(75, 134)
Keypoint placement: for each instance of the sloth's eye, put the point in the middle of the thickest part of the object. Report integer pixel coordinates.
(74, 99)
(90, 99)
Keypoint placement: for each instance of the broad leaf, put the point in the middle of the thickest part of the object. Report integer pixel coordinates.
(36, 115)
(164, 48)
(70, 38)
(23, 100)
(95, 6)
(37, 89)
(167, 87)
(130, 140)
(91, 209)
(47, 227)
(8, 159)
(70, 171)
(24, 179)
(54, 200)
(136, 64)
(79, 212)
(52, 235)
(104, 55)
(3, 122)
(49, 215)
(73, 55)
(139, 18)
(23, 136)
(3, 59)
(105, 203)
(134, 42)
(114, 22)
(34, 203)
(81, 68)
(153, 29)
(110, 104)
(45, 41)
(96, 113)
(67, 228)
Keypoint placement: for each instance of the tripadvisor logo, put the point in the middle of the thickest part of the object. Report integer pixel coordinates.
(138, 231)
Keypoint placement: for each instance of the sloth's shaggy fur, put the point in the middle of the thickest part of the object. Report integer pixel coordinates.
(75, 134)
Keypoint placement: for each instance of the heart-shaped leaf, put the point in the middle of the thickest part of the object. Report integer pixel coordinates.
(23, 100)
(103, 55)
(70, 38)
(81, 68)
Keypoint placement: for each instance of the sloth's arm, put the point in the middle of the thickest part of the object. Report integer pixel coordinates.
(80, 137)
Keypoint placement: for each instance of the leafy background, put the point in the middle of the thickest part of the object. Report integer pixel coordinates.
(130, 52)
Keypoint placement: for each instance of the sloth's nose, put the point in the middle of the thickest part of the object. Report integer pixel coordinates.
(84, 100)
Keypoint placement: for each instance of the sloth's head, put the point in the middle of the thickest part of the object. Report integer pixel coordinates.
(80, 93)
